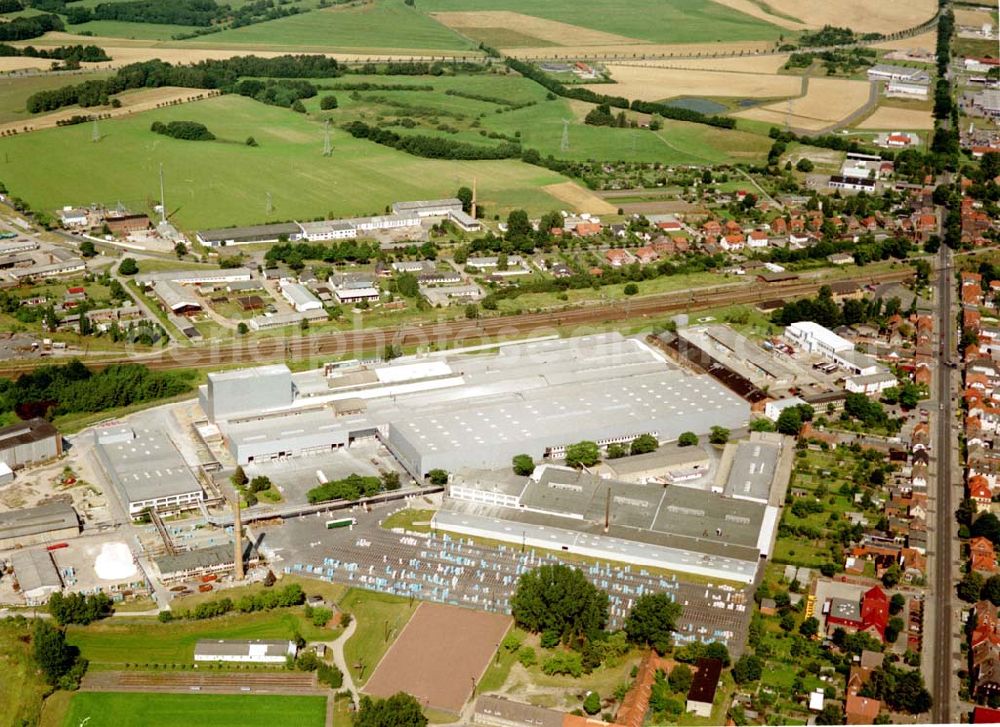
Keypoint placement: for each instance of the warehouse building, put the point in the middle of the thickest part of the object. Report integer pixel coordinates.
(37, 575)
(428, 208)
(29, 442)
(176, 298)
(216, 560)
(558, 508)
(246, 391)
(147, 470)
(34, 525)
(198, 277)
(299, 297)
(455, 412)
(249, 235)
(814, 338)
(258, 651)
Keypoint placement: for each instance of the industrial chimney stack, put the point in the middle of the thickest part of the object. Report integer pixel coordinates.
(238, 536)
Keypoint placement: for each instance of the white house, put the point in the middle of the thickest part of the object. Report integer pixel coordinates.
(773, 409)
(871, 383)
(254, 652)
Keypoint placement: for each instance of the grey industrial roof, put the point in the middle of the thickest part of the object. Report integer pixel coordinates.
(250, 375)
(35, 569)
(174, 296)
(322, 226)
(229, 647)
(564, 497)
(254, 231)
(665, 458)
(403, 207)
(753, 469)
(875, 378)
(558, 392)
(147, 467)
(32, 430)
(203, 558)
(197, 276)
(506, 711)
(284, 426)
(862, 360)
(35, 520)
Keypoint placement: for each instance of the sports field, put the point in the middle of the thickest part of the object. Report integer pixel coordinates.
(136, 709)
(225, 182)
(441, 654)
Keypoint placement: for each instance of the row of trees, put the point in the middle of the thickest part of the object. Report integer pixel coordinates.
(432, 147)
(76, 608)
(334, 252)
(284, 92)
(78, 53)
(210, 74)
(24, 28)
(72, 387)
(354, 487)
(266, 600)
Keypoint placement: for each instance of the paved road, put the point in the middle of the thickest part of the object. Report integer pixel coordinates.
(945, 524)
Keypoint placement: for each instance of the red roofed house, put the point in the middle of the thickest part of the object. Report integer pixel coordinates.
(588, 229)
(979, 490)
(982, 556)
(898, 140)
(646, 255)
(732, 242)
(757, 238)
(875, 610)
(862, 710)
(617, 257)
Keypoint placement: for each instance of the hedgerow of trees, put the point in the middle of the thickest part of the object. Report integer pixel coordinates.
(186, 130)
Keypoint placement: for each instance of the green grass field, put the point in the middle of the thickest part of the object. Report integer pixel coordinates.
(226, 182)
(15, 90)
(121, 709)
(117, 642)
(656, 21)
(22, 688)
(382, 26)
(380, 618)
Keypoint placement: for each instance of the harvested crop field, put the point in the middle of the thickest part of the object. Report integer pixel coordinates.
(582, 200)
(828, 100)
(754, 10)
(23, 63)
(923, 42)
(623, 51)
(528, 26)
(653, 84)
(145, 99)
(741, 64)
(890, 118)
(862, 16)
(971, 17)
(440, 655)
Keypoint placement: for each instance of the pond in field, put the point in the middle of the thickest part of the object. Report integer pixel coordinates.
(701, 105)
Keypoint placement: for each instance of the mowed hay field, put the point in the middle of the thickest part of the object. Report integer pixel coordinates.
(862, 16)
(892, 118)
(744, 64)
(143, 99)
(385, 26)
(225, 182)
(15, 90)
(579, 198)
(137, 709)
(828, 101)
(653, 84)
(651, 21)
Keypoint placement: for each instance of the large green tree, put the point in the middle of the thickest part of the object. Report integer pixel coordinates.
(399, 710)
(583, 454)
(559, 599)
(652, 620)
(52, 654)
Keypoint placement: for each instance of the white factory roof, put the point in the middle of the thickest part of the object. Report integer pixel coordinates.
(822, 334)
(147, 467)
(255, 373)
(299, 295)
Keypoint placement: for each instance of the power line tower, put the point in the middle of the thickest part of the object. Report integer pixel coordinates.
(95, 134)
(269, 207)
(564, 144)
(327, 146)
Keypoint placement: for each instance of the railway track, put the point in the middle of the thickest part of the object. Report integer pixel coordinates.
(317, 348)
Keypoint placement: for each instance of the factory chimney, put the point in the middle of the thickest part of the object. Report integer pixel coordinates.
(238, 536)
(607, 511)
(474, 205)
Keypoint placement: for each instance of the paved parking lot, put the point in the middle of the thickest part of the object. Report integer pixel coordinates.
(451, 570)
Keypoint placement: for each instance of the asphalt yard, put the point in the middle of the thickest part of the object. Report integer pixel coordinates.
(453, 571)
